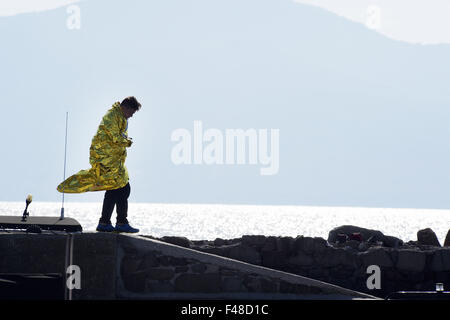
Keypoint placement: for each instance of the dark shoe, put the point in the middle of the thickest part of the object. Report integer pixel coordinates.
(126, 228)
(103, 227)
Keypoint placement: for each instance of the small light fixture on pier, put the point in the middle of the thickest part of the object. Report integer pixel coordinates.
(34, 224)
(25, 212)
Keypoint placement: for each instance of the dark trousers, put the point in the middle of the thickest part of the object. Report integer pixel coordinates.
(116, 198)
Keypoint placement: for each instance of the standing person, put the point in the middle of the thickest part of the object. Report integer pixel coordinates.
(108, 172)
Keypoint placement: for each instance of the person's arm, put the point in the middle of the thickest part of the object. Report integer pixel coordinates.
(111, 127)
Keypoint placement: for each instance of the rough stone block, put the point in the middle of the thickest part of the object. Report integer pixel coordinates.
(319, 273)
(268, 285)
(320, 244)
(129, 265)
(366, 234)
(442, 277)
(198, 268)
(233, 284)
(354, 244)
(228, 272)
(198, 283)
(273, 259)
(150, 260)
(135, 282)
(376, 256)
(160, 273)
(301, 259)
(98, 275)
(304, 244)
(411, 260)
(332, 257)
(179, 241)
(171, 261)
(252, 283)
(270, 244)
(414, 277)
(181, 269)
(440, 260)
(254, 240)
(349, 229)
(341, 272)
(219, 251)
(219, 242)
(212, 268)
(427, 237)
(286, 287)
(342, 282)
(246, 254)
(446, 258)
(160, 287)
(96, 243)
(392, 242)
(447, 240)
(285, 244)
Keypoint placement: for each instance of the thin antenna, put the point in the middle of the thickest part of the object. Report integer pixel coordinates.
(65, 155)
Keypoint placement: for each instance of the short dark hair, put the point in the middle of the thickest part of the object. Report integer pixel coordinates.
(131, 102)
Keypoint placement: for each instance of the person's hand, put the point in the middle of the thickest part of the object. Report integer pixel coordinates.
(130, 142)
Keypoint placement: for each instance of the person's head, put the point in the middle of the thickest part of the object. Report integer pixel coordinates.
(129, 106)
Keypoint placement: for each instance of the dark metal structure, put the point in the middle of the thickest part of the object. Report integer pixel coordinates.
(44, 223)
(36, 224)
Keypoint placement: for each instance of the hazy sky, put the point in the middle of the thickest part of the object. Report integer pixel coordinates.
(415, 21)
(13, 7)
(362, 118)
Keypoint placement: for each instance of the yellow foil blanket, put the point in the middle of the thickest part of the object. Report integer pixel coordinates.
(107, 157)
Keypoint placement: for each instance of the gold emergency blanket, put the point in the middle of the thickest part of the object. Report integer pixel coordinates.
(107, 157)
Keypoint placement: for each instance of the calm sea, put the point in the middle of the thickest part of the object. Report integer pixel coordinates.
(211, 221)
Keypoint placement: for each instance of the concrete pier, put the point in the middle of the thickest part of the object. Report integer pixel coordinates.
(117, 266)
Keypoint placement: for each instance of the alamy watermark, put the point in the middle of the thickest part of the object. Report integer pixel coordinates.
(374, 280)
(73, 21)
(373, 17)
(231, 147)
(73, 277)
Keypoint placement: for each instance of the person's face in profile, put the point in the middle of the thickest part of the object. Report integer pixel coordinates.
(128, 112)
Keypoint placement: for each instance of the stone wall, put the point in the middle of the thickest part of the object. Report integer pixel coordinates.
(119, 266)
(115, 266)
(160, 271)
(403, 268)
